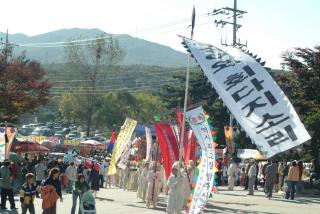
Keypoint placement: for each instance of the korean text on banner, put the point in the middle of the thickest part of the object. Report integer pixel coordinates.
(252, 96)
(126, 154)
(122, 140)
(149, 143)
(200, 127)
(168, 145)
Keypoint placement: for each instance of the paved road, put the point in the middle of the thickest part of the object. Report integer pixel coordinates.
(116, 201)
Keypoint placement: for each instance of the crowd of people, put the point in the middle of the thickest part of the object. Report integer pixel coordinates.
(272, 176)
(47, 179)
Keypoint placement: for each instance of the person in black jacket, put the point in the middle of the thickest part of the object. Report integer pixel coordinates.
(27, 194)
(54, 181)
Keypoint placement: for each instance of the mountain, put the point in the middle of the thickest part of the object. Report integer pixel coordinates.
(138, 51)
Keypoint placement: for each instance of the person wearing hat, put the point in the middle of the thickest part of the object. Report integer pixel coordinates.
(232, 173)
(154, 184)
(252, 176)
(6, 187)
(143, 182)
(175, 199)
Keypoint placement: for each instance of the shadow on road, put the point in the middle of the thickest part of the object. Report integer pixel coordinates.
(218, 209)
(104, 199)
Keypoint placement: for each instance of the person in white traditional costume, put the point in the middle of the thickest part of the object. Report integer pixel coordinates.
(154, 185)
(143, 182)
(125, 178)
(232, 173)
(176, 199)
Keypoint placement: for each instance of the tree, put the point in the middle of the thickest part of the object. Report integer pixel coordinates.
(301, 85)
(90, 61)
(22, 88)
(200, 91)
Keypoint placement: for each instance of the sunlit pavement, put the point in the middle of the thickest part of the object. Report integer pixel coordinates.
(116, 201)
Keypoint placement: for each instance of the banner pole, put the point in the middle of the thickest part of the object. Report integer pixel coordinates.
(185, 103)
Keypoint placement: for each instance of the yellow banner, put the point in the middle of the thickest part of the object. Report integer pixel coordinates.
(123, 139)
(228, 131)
(71, 142)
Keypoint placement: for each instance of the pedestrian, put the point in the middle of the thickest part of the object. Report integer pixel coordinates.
(242, 176)
(315, 170)
(40, 169)
(6, 186)
(225, 175)
(300, 183)
(94, 178)
(280, 173)
(143, 182)
(252, 174)
(51, 192)
(232, 173)
(102, 172)
(154, 185)
(27, 194)
(175, 199)
(271, 176)
(71, 173)
(79, 187)
(293, 178)
(246, 179)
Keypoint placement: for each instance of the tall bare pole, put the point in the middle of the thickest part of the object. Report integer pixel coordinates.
(182, 134)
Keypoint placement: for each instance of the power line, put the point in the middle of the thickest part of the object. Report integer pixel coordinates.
(79, 41)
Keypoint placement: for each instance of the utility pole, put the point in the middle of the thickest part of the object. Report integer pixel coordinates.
(235, 14)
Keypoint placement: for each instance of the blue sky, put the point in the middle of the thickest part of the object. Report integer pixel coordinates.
(270, 27)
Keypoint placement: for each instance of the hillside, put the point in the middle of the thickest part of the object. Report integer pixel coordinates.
(138, 51)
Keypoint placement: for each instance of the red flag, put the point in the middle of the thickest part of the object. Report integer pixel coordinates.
(189, 144)
(113, 137)
(168, 145)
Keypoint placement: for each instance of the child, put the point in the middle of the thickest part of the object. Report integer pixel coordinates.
(242, 176)
(27, 194)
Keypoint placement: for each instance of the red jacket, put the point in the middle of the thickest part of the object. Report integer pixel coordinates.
(49, 196)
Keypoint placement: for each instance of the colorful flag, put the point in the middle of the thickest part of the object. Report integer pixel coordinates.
(122, 141)
(228, 132)
(2, 144)
(168, 145)
(198, 123)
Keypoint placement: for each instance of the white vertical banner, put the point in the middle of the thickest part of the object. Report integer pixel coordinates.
(149, 143)
(200, 127)
(252, 96)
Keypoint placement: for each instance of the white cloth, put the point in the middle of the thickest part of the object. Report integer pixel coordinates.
(143, 183)
(156, 178)
(252, 170)
(232, 173)
(175, 199)
(71, 173)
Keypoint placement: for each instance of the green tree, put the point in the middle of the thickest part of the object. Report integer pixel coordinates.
(301, 85)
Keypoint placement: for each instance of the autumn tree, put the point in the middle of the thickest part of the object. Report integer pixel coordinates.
(93, 61)
(22, 87)
(301, 85)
